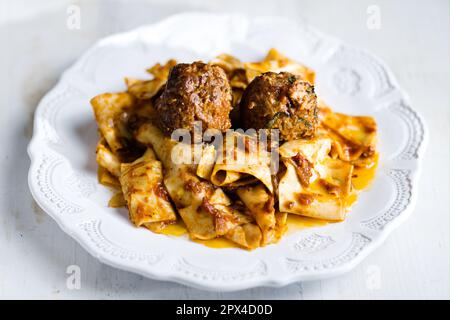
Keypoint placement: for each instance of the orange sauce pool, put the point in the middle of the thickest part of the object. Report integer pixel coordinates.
(218, 243)
(179, 229)
(296, 223)
(362, 177)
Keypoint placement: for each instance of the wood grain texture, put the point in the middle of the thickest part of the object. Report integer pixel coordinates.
(413, 40)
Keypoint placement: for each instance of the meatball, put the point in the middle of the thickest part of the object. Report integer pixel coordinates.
(280, 101)
(195, 92)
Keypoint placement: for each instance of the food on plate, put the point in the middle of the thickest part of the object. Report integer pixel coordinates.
(144, 191)
(242, 186)
(194, 92)
(280, 101)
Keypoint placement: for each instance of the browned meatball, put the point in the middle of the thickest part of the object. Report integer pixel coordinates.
(195, 92)
(280, 101)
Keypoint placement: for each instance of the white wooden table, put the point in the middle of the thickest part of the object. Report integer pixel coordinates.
(36, 46)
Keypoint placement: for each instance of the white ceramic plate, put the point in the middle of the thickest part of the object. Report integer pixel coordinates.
(62, 177)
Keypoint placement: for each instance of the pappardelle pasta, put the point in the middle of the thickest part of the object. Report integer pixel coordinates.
(262, 147)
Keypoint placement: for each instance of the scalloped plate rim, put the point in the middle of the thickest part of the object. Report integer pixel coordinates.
(268, 281)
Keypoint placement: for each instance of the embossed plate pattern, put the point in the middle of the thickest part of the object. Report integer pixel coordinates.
(62, 176)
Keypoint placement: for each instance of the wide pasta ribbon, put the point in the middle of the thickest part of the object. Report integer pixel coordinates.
(313, 184)
(242, 160)
(205, 209)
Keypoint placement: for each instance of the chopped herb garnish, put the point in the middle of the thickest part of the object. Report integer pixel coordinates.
(305, 122)
(275, 117)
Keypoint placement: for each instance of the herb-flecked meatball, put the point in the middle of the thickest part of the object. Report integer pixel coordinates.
(280, 101)
(195, 92)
